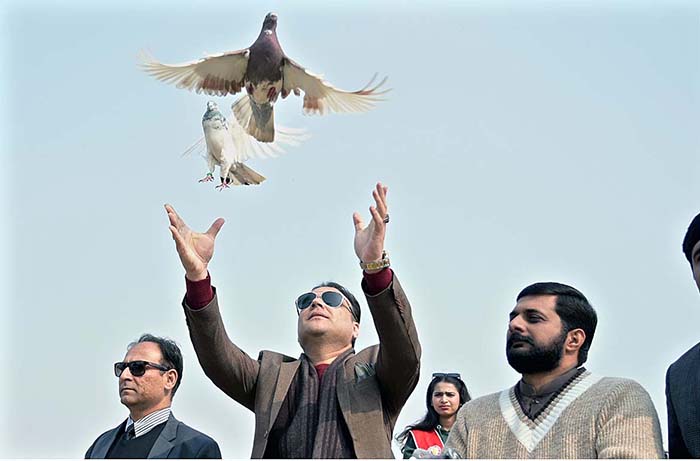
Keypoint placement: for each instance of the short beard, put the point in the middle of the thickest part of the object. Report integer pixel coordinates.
(538, 359)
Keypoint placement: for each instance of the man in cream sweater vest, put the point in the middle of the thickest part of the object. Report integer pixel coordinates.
(558, 409)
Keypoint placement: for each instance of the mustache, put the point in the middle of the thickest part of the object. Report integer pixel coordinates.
(515, 337)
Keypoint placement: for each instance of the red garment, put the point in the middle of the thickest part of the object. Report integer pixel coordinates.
(427, 440)
(321, 370)
(200, 293)
(377, 282)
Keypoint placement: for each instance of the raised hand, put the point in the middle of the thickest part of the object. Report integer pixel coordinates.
(369, 240)
(195, 249)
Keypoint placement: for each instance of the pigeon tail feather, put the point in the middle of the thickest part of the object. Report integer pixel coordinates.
(241, 174)
(264, 133)
(245, 114)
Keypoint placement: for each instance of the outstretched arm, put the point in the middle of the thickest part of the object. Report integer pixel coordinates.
(231, 369)
(398, 363)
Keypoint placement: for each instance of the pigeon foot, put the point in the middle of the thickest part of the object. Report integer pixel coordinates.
(207, 178)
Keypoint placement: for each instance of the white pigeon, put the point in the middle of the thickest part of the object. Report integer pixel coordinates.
(228, 146)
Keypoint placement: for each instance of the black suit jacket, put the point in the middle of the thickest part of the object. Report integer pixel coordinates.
(683, 405)
(176, 441)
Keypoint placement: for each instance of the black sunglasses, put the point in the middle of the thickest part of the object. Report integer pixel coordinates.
(330, 298)
(447, 375)
(137, 367)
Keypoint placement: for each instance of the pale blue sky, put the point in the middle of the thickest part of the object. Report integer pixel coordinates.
(522, 141)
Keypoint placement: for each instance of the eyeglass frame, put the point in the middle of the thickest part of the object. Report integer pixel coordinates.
(316, 295)
(145, 364)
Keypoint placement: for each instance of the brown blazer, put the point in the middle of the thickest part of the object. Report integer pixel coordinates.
(378, 379)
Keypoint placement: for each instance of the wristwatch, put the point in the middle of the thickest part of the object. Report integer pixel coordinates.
(376, 265)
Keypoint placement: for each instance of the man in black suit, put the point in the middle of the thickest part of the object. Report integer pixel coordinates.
(683, 376)
(148, 378)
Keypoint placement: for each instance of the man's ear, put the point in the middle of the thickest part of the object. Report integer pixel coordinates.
(170, 380)
(355, 330)
(574, 340)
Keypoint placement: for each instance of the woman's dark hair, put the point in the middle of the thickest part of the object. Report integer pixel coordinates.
(431, 418)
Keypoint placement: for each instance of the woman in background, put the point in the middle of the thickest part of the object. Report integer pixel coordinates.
(446, 395)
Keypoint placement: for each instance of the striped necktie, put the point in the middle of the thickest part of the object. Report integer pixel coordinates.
(130, 433)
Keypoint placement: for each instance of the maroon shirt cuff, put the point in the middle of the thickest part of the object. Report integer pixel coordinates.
(200, 293)
(377, 282)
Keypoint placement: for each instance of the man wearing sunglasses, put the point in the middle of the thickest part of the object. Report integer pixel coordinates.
(149, 376)
(331, 402)
(558, 409)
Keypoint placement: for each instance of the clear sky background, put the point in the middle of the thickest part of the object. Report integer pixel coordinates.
(522, 142)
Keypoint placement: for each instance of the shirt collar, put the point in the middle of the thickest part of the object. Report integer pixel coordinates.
(144, 425)
(549, 388)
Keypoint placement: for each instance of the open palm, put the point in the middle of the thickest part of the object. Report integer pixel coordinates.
(195, 249)
(369, 240)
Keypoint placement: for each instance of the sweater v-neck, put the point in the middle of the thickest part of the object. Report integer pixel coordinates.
(530, 432)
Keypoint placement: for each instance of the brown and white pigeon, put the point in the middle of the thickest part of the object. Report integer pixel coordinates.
(265, 72)
(228, 146)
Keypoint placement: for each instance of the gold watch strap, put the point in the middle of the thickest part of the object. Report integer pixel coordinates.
(376, 265)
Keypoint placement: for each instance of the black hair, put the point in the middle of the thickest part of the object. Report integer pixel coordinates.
(572, 307)
(431, 418)
(172, 357)
(354, 305)
(692, 236)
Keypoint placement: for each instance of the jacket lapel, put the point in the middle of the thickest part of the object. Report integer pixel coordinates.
(343, 394)
(102, 445)
(163, 444)
(284, 380)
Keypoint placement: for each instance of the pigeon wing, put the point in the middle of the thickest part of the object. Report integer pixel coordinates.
(216, 75)
(198, 146)
(321, 97)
